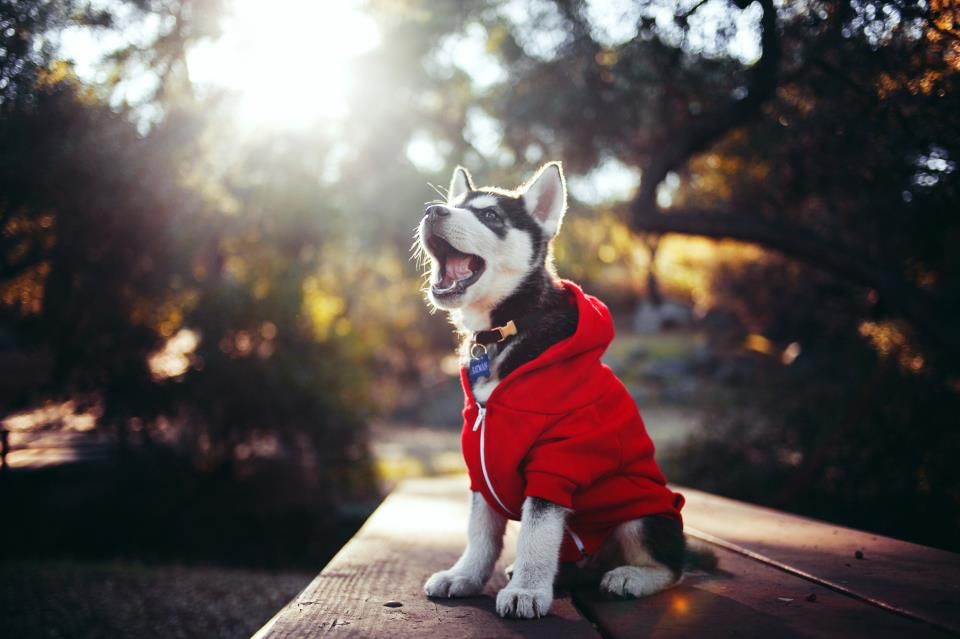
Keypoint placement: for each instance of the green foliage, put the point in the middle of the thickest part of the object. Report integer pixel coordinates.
(118, 249)
(22, 52)
(855, 431)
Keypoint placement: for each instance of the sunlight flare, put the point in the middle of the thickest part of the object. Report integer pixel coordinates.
(288, 62)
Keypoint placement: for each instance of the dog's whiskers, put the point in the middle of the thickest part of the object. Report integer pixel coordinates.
(439, 191)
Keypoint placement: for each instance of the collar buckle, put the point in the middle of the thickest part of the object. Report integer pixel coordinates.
(496, 335)
(507, 330)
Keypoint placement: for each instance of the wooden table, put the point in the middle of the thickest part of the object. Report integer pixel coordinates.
(780, 576)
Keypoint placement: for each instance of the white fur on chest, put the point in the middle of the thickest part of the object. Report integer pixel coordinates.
(483, 387)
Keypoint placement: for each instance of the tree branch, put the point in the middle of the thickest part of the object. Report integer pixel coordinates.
(784, 238)
(683, 17)
(709, 128)
(921, 309)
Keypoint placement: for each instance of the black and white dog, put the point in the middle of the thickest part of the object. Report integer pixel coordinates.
(531, 335)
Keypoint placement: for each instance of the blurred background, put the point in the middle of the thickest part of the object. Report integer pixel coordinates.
(215, 356)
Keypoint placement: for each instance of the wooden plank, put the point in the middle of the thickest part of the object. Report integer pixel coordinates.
(919, 580)
(419, 529)
(746, 600)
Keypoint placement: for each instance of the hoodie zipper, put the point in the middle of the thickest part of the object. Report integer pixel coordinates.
(481, 414)
(481, 424)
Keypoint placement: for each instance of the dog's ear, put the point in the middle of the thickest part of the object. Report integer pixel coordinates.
(545, 197)
(460, 183)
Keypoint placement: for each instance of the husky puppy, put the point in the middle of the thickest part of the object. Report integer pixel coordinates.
(550, 436)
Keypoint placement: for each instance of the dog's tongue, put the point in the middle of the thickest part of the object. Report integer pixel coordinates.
(458, 268)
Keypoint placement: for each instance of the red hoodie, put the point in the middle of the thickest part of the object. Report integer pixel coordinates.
(562, 427)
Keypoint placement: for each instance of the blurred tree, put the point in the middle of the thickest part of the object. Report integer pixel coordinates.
(23, 50)
(251, 285)
(169, 298)
(868, 85)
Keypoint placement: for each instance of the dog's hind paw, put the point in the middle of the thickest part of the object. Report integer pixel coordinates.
(635, 581)
(524, 603)
(448, 583)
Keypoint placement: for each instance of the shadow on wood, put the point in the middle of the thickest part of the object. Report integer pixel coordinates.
(682, 612)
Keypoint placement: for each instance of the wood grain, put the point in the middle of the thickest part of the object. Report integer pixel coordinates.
(922, 580)
(419, 529)
(747, 600)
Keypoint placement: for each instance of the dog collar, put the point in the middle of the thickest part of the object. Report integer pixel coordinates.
(501, 333)
(496, 334)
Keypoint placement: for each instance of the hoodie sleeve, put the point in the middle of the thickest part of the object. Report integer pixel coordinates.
(572, 453)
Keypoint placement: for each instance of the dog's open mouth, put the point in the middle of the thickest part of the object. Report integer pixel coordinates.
(458, 270)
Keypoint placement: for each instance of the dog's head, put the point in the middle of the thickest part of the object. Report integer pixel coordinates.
(484, 242)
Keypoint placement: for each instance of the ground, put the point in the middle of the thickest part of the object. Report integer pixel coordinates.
(92, 600)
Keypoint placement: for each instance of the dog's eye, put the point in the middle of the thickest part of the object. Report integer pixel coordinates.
(490, 214)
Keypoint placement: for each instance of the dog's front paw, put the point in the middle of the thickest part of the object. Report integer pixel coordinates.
(524, 603)
(448, 583)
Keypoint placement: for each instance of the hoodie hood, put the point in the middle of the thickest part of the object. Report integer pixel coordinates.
(581, 352)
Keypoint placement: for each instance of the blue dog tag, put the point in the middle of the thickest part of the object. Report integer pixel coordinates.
(479, 367)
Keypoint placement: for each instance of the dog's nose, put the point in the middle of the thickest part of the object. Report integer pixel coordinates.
(437, 210)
